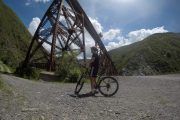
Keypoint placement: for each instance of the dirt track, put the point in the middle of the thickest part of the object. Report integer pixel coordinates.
(138, 98)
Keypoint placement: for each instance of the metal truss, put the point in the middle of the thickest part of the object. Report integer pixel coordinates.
(62, 28)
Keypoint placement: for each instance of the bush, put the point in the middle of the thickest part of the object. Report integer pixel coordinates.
(73, 75)
(68, 69)
(62, 73)
(28, 72)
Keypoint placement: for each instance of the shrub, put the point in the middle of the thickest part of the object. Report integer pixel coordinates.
(68, 69)
(73, 75)
(28, 72)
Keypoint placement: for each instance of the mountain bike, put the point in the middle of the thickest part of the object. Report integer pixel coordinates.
(106, 85)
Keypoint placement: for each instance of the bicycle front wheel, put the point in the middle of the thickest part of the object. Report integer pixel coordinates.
(79, 84)
(108, 86)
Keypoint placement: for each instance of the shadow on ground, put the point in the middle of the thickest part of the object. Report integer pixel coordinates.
(85, 95)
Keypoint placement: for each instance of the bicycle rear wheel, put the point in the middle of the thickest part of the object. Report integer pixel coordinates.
(108, 86)
(79, 84)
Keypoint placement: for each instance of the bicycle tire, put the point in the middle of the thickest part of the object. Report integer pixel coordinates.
(108, 86)
(79, 85)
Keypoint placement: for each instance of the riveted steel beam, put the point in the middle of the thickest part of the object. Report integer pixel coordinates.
(63, 28)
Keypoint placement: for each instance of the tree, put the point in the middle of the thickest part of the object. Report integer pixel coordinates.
(68, 68)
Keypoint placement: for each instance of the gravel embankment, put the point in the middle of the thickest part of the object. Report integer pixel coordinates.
(138, 98)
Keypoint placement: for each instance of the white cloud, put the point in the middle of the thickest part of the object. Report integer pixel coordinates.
(32, 29)
(89, 41)
(123, 1)
(96, 25)
(34, 25)
(133, 36)
(113, 37)
(47, 47)
(119, 41)
(112, 45)
(44, 1)
(139, 35)
(111, 34)
(29, 2)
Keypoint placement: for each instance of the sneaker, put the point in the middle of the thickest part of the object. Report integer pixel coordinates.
(96, 87)
(95, 91)
(91, 93)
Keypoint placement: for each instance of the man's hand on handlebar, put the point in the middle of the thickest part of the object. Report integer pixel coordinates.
(85, 64)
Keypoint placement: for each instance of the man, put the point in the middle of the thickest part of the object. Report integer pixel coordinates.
(94, 64)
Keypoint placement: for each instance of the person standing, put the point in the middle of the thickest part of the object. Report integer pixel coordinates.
(94, 64)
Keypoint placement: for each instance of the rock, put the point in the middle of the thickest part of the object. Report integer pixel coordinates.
(110, 110)
(29, 109)
(42, 117)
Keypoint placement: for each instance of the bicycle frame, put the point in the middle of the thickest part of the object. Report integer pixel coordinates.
(99, 79)
(86, 75)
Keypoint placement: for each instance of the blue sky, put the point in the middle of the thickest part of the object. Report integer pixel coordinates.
(122, 22)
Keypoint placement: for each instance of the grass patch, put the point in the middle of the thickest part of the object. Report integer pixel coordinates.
(4, 68)
(1, 84)
(28, 72)
(53, 77)
(4, 87)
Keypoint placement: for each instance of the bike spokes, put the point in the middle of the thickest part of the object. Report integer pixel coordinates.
(108, 86)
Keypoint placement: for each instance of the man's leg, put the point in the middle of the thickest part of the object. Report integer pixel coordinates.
(93, 73)
(94, 82)
(93, 85)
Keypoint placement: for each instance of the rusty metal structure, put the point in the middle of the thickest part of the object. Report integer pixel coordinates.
(62, 28)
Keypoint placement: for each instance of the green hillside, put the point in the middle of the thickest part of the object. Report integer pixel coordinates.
(157, 54)
(14, 37)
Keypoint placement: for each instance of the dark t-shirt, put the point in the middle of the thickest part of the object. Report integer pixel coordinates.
(95, 63)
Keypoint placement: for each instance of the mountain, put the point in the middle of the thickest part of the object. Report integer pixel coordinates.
(156, 54)
(14, 37)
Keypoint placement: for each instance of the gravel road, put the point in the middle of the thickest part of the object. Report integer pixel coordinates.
(138, 98)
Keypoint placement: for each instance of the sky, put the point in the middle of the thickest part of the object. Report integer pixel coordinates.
(121, 22)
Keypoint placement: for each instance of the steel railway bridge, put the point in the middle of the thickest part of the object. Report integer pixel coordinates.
(62, 28)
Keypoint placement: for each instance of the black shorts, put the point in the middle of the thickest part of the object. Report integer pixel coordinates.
(93, 72)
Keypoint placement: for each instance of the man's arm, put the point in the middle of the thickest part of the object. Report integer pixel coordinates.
(88, 63)
(92, 60)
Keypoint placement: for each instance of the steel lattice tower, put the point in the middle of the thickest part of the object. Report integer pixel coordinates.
(62, 29)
